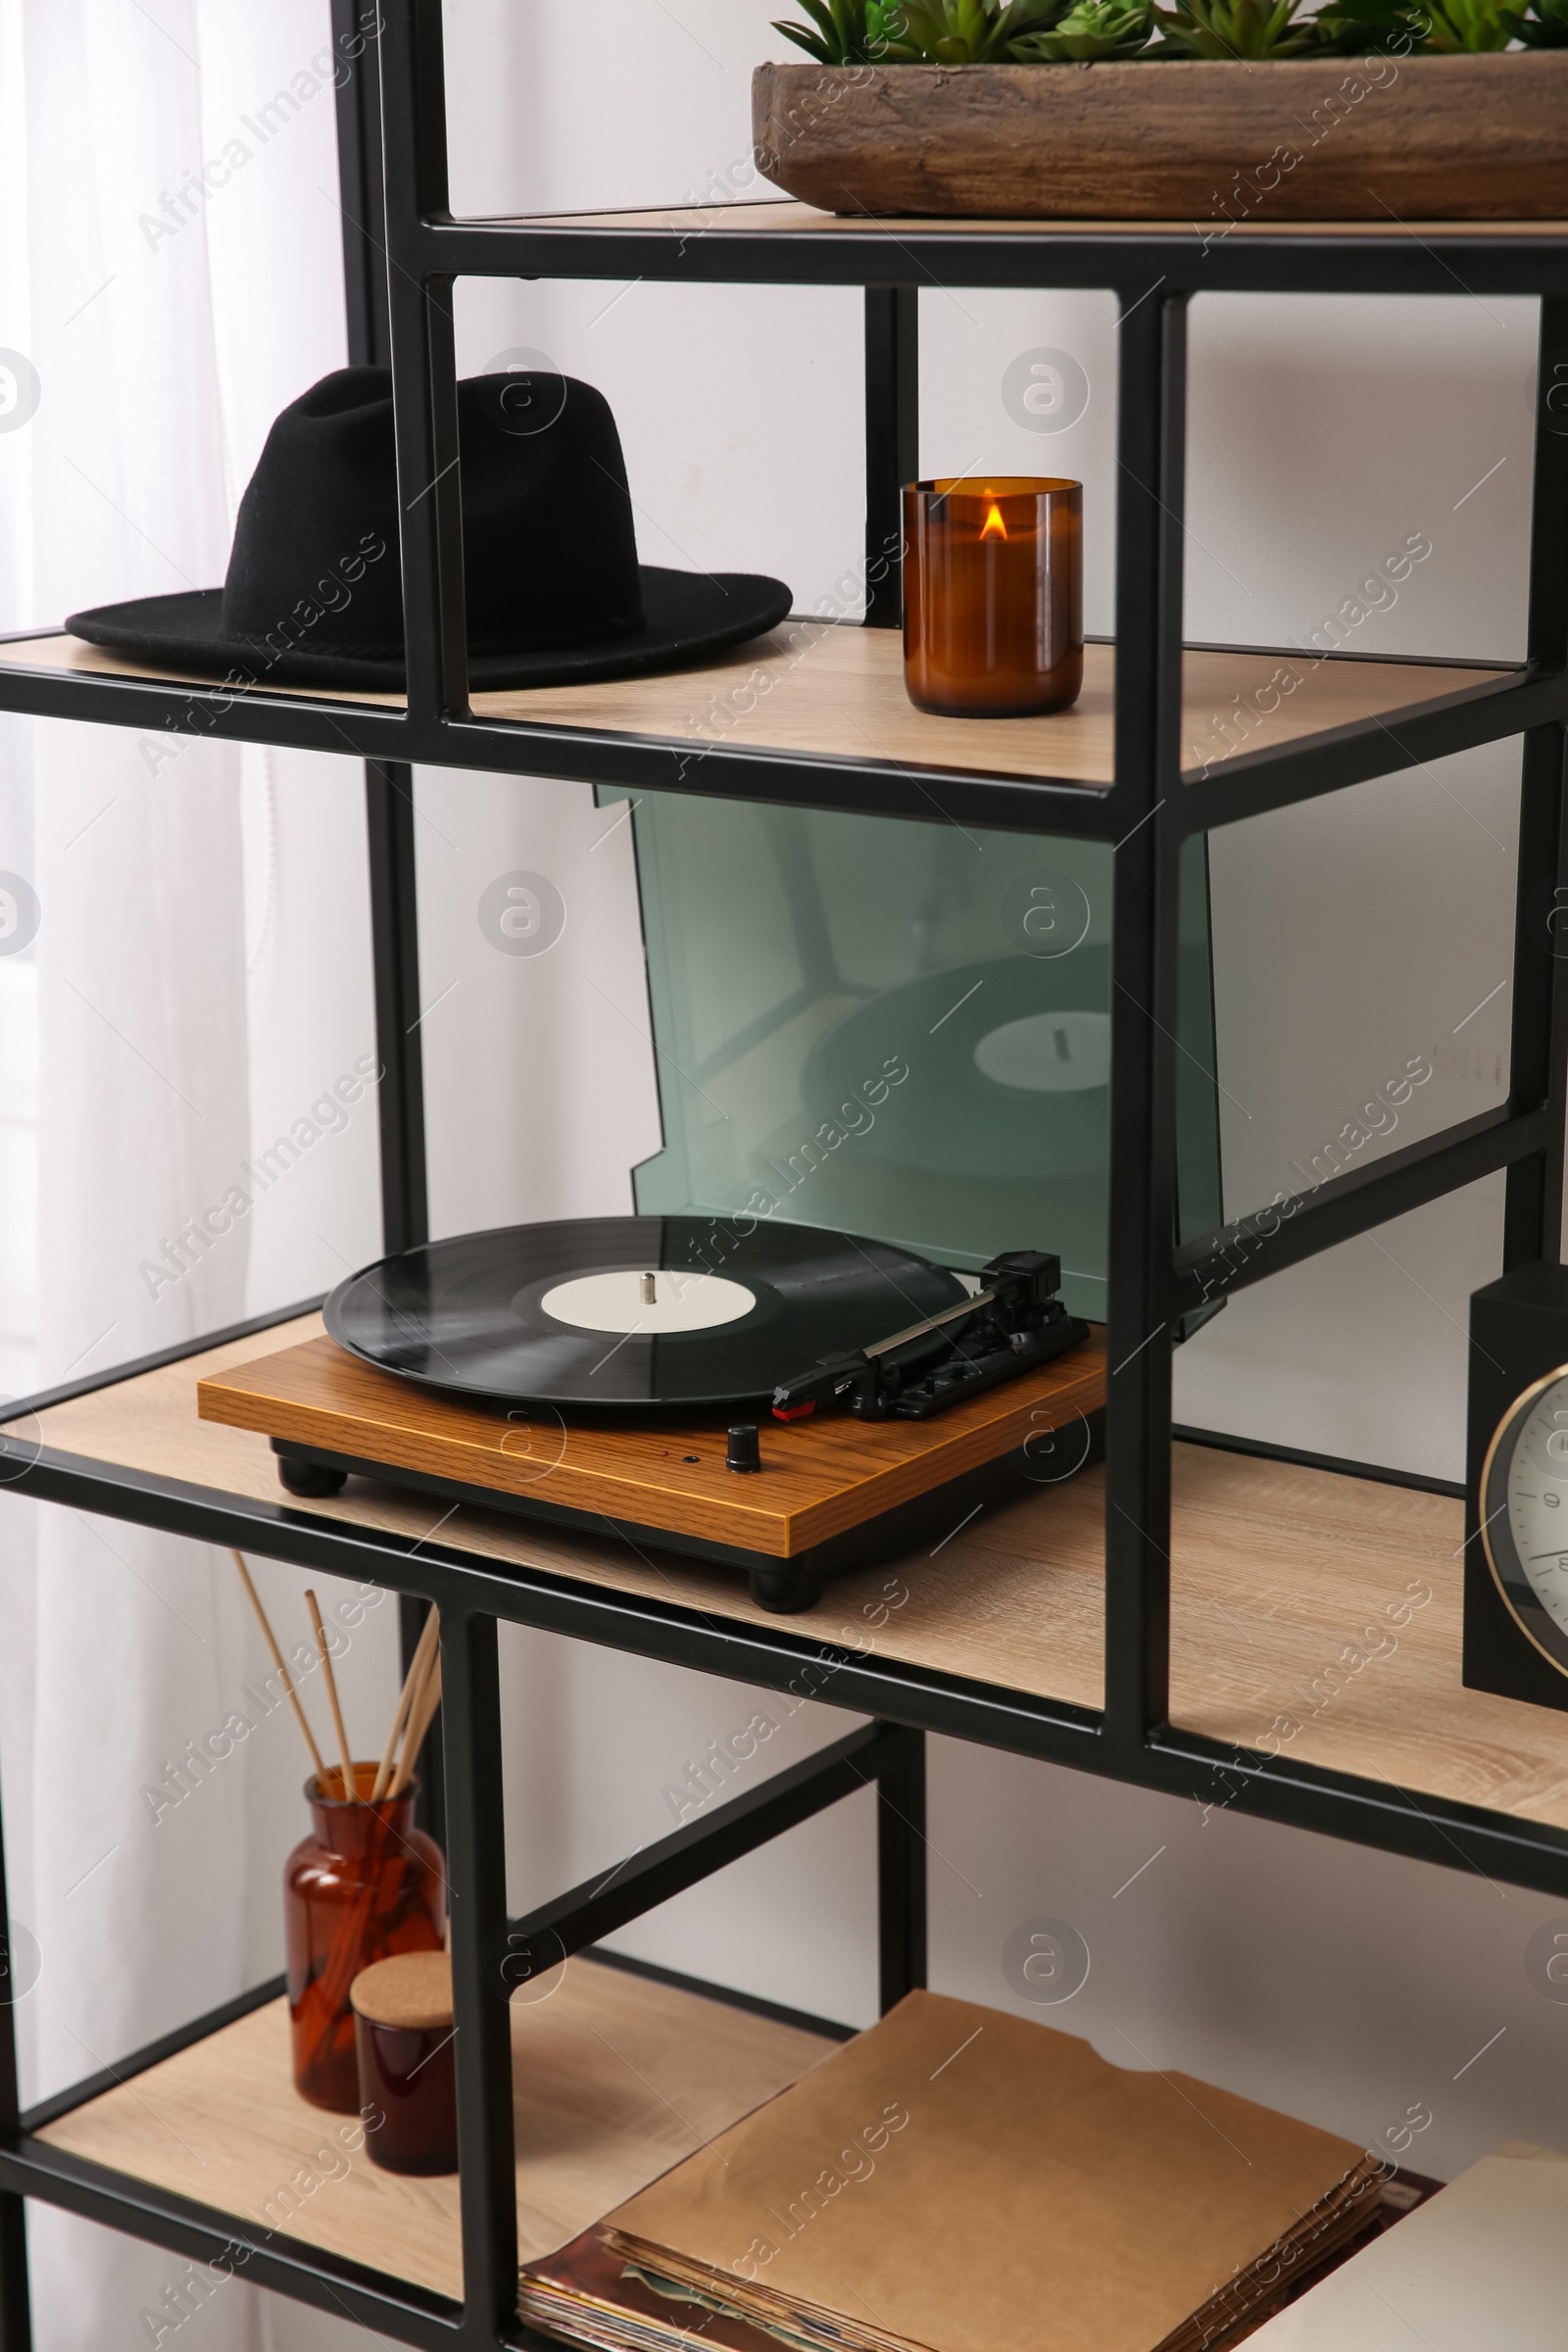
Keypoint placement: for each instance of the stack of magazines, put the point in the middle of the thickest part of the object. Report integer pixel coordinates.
(958, 2180)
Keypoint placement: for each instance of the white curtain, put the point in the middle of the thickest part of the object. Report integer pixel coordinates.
(166, 327)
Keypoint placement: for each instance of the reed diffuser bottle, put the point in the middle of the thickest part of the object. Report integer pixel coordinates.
(363, 1884)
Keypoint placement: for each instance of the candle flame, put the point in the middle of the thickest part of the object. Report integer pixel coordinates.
(994, 527)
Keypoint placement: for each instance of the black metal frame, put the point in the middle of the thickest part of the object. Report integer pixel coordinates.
(399, 295)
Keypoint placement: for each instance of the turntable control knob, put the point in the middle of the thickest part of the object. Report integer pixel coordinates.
(745, 1453)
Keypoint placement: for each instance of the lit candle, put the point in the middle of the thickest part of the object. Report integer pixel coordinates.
(993, 595)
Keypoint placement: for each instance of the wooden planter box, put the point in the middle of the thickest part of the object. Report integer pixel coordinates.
(1423, 138)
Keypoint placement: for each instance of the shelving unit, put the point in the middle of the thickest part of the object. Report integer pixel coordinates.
(1078, 1625)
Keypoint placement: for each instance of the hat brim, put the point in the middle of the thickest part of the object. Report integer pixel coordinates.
(686, 615)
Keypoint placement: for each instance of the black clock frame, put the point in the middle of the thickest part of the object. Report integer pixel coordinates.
(1518, 1343)
(1509, 1572)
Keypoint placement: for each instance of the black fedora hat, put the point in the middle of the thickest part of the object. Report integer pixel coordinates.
(555, 592)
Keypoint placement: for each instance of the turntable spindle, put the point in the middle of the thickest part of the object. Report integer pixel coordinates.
(650, 1290)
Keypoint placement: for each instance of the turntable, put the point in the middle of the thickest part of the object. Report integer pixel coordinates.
(768, 1397)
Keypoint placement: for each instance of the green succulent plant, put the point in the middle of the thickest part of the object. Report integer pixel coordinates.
(970, 33)
(1090, 29)
(919, 32)
(1466, 27)
(978, 33)
(1543, 27)
(1246, 28)
(846, 32)
(1351, 28)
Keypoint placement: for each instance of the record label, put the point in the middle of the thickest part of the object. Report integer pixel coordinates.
(561, 1314)
(661, 1298)
(1048, 1052)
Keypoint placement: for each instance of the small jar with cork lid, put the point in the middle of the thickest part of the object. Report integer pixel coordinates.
(403, 2039)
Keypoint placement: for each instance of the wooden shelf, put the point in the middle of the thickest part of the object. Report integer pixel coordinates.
(835, 692)
(1277, 1570)
(786, 217)
(1277, 1575)
(838, 692)
(71, 656)
(615, 2078)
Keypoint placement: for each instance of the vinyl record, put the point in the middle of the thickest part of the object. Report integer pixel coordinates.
(1010, 1064)
(629, 1311)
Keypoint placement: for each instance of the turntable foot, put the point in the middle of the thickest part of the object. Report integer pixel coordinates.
(301, 1477)
(784, 1590)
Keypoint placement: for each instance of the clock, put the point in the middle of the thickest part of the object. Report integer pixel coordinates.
(1524, 1514)
(1517, 1500)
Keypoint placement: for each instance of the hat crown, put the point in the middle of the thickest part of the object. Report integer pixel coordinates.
(550, 550)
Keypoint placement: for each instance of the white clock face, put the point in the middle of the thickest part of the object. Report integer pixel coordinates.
(1535, 1500)
(1539, 1500)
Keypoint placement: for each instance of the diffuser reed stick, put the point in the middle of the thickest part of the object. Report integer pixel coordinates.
(412, 1683)
(282, 1671)
(421, 1712)
(351, 1787)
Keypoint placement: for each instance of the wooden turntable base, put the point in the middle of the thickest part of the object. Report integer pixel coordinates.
(831, 1492)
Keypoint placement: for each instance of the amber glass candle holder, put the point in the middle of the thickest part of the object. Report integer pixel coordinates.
(993, 595)
(408, 2081)
(365, 1884)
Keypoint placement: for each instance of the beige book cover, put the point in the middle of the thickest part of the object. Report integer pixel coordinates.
(971, 2181)
(1481, 2267)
